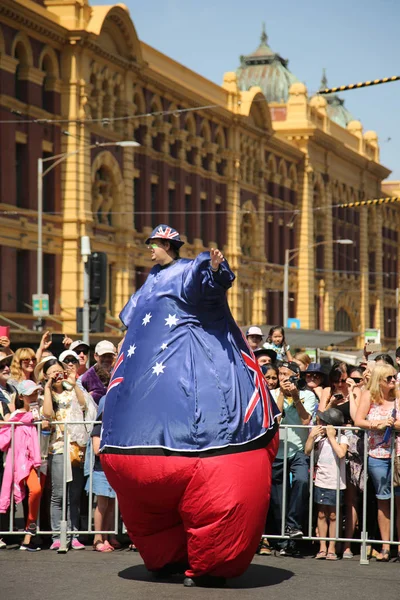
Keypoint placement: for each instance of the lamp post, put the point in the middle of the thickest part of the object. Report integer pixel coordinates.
(58, 158)
(289, 254)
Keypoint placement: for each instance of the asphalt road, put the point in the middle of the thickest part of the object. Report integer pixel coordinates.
(121, 575)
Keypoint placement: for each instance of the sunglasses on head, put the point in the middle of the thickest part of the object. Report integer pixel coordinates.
(390, 378)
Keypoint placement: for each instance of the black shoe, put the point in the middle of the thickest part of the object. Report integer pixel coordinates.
(204, 581)
(170, 569)
(29, 547)
(293, 532)
(31, 530)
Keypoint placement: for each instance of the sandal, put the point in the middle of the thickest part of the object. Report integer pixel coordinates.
(331, 556)
(132, 548)
(108, 545)
(100, 546)
(383, 556)
(264, 549)
(321, 554)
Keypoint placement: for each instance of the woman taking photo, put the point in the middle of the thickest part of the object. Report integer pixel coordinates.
(64, 400)
(378, 410)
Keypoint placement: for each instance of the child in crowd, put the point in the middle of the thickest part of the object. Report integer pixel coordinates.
(331, 452)
(21, 469)
(105, 507)
(276, 341)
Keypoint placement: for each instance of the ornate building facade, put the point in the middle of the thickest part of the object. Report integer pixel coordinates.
(226, 165)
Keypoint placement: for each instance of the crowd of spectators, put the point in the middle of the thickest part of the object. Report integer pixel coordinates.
(324, 414)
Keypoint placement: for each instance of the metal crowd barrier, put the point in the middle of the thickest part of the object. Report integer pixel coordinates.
(64, 531)
(364, 540)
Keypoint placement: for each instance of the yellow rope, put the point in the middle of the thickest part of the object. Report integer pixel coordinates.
(374, 202)
(354, 86)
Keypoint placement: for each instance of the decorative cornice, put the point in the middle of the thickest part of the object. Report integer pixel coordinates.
(33, 22)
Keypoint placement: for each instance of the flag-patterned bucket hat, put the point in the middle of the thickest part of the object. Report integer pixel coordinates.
(167, 233)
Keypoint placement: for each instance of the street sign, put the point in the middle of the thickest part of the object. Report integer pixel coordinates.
(40, 305)
(293, 323)
(372, 336)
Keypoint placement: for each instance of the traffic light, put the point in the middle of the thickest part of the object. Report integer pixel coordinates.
(98, 277)
(97, 319)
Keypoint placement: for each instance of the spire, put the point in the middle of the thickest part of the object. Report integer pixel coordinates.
(324, 80)
(264, 37)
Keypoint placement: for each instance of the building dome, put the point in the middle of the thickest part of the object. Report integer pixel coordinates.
(335, 108)
(266, 69)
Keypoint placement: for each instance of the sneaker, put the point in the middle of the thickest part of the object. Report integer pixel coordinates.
(282, 552)
(293, 532)
(29, 547)
(55, 545)
(76, 545)
(31, 530)
(3, 545)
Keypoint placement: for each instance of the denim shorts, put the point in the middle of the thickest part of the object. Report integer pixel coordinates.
(380, 471)
(327, 497)
(100, 485)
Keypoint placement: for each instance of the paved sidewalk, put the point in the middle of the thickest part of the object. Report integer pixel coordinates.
(121, 575)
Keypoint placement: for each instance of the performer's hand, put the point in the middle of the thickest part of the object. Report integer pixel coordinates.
(216, 257)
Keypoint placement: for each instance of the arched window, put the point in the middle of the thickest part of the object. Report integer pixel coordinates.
(343, 321)
(47, 93)
(21, 55)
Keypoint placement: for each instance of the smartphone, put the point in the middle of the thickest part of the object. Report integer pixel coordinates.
(57, 338)
(5, 331)
(338, 396)
(374, 348)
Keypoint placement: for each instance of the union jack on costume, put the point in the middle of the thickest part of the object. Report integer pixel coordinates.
(187, 388)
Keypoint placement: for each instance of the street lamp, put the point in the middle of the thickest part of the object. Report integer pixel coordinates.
(289, 254)
(58, 158)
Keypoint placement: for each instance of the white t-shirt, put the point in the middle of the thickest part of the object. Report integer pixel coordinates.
(326, 472)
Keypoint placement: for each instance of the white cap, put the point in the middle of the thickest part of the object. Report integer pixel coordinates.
(105, 347)
(66, 353)
(78, 343)
(254, 331)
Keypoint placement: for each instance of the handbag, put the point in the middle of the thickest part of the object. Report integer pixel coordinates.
(77, 454)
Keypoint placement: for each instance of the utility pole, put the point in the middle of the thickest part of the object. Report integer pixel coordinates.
(86, 252)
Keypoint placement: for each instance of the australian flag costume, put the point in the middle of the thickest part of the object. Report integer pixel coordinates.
(189, 426)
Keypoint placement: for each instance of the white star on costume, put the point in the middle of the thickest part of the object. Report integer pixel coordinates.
(159, 368)
(131, 350)
(172, 320)
(146, 319)
(164, 346)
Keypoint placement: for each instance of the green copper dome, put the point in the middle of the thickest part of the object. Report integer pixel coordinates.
(335, 108)
(268, 70)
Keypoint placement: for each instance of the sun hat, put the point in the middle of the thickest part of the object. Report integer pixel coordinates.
(253, 330)
(66, 353)
(38, 372)
(266, 352)
(27, 387)
(5, 357)
(78, 343)
(331, 416)
(105, 347)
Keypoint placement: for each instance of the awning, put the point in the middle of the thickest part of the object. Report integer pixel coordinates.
(312, 338)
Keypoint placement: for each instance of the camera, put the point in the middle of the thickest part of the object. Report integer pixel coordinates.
(298, 382)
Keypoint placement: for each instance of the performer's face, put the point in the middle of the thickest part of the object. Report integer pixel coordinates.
(159, 254)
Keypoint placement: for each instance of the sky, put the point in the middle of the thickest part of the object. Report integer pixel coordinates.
(354, 40)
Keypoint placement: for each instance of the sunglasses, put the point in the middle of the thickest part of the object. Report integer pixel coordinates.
(71, 361)
(357, 379)
(152, 246)
(314, 375)
(2, 367)
(390, 378)
(26, 361)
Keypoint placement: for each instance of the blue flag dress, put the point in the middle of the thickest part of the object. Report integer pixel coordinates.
(185, 380)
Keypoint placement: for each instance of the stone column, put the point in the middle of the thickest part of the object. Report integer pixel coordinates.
(305, 302)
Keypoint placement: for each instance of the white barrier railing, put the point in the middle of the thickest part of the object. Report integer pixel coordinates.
(364, 540)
